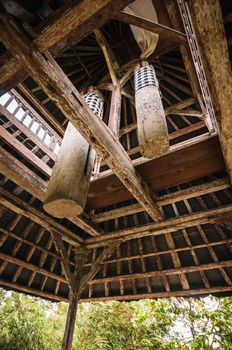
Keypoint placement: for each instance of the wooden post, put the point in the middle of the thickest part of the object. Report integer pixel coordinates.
(115, 110)
(151, 122)
(69, 184)
(80, 259)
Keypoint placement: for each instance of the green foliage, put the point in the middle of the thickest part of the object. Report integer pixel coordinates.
(28, 323)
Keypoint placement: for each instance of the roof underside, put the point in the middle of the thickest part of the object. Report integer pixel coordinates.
(190, 252)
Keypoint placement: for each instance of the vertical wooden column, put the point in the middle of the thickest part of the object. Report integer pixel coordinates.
(151, 122)
(80, 259)
(115, 110)
(69, 184)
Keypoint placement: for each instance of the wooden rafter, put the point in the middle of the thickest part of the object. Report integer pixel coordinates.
(152, 26)
(195, 191)
(18, 206)
(171, 225)
(62, 29)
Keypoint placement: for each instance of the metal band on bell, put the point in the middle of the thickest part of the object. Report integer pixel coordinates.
(145, 76)
(95, 103)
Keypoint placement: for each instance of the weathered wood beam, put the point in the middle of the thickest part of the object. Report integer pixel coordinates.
(26, 131)
(24, 151)
(195, 191)
(189, 162)
(41, 108)
(19, 262)
(48, 74)
(95, 267)
(152, 26)
(111, 61)
(115, 110)
(163, 294)
(154, 229)
(178, 293)
(80, 259)
(29, 290)
(64, 259)
(169, 272)
(208, 24)
(20, 207)
(38, 117)
(185, 52)
(16, 171)
(62, 29)
(32, 183)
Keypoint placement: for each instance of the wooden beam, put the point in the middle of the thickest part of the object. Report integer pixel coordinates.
(80, 259)
(20, 207)
(208, 24)
(61, 30)
(64, 259)
(41, 108)
(178, 293)
(194, 191)
(24, 151)
(95, 267)
(48, 74)
(185, 52)
(151, 26)
(180, 166)
(29, 290)
(169, 272)
(115, 110)
(111, 61)
(35, 114)
(155, 229)
(26, 131)
(32, 267)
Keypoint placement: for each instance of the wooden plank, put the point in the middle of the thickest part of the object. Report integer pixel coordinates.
(184, 165)
(152, 26)
(208, 23)
(49, 75)
(63, 29)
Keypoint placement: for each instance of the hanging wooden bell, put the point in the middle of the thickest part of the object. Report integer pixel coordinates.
(69, 183)
(151, 122)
